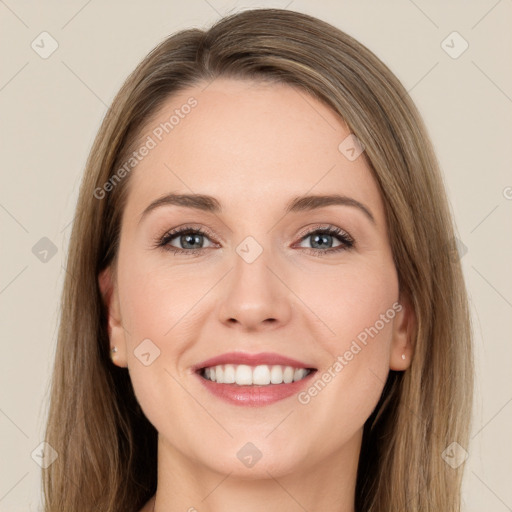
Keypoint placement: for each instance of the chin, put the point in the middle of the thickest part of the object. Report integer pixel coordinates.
(255, 460)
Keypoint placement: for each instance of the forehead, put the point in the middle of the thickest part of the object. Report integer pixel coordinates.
(248, 143)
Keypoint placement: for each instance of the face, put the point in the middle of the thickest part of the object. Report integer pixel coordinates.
(256, 270)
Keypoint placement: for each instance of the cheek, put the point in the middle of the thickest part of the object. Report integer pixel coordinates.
(353, 302)
(358, 304)
(163, 305)
(158, 300)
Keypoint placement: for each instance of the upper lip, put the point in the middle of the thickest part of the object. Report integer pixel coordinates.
(268, 358)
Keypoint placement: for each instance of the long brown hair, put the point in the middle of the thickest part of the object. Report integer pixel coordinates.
(107, 458)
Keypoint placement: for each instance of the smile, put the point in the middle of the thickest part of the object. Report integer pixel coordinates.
(261, 375)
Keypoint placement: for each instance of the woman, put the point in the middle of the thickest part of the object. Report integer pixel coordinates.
(262, 306)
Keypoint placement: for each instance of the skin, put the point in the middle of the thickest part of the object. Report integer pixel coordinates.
(254, 146)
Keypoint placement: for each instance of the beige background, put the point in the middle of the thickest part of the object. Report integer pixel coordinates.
(51, 109)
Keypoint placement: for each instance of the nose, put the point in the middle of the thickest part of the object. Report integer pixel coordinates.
(254, 296)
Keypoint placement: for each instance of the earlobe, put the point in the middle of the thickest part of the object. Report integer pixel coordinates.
(404, 327)
(115, 328)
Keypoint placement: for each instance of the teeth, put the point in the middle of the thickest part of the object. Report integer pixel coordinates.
(243, 375)
(229, 374)
(262, 375)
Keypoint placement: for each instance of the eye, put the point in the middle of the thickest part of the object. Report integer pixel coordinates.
(184, 240)
(191, 241)
(323, 240)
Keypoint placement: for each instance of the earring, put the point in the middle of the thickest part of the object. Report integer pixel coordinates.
(113, 352)
(403, 357)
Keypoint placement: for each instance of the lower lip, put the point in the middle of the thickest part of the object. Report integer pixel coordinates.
(254, 396)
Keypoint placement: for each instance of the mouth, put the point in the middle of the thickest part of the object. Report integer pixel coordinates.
(260, 375)
(253, 379)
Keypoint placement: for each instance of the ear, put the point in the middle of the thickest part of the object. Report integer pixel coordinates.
(116, 331)
(404, 327)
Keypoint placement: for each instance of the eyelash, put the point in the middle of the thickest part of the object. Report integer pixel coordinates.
(347, 242)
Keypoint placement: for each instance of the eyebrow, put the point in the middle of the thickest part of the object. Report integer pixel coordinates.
(297, 204)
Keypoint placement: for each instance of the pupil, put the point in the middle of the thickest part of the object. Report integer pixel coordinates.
(188, 240)
(322, 238)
